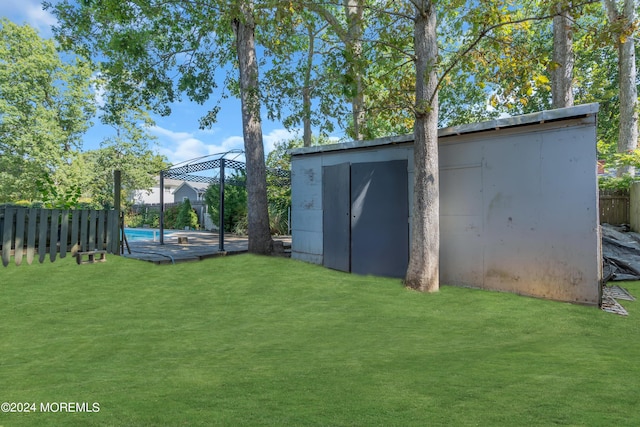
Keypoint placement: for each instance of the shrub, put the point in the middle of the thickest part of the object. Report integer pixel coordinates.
(616, 183)
(142, 216)
(187, 217)
(235, 205)
(133, 219)
(170, 216)
(278, 219)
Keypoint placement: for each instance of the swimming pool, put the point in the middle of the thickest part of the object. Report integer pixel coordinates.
(144, 234)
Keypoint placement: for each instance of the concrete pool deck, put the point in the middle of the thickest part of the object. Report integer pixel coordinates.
(201, 245)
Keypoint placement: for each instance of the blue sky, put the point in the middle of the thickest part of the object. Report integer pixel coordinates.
(179, 136)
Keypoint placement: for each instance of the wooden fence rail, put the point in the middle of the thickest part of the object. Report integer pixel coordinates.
(31, 232)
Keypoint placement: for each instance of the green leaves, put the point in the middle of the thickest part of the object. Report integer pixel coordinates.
(187, 217)
(128, 151)
(45, 107)
(54, 197)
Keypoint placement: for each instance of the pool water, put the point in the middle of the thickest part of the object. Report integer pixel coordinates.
(144, 234)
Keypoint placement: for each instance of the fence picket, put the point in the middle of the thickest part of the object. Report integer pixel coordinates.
(7, 236)
(84, 217)
(109, 236)
(101, 237)
(19, 239)
(75, 220)
(53, 235)
(31, 238)
(64, 233)
(42, 241)
(92, 230)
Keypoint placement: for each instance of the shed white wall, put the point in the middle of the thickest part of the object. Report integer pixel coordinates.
(518, 209)
(306, 193)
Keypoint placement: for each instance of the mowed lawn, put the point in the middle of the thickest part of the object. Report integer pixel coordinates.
(247, 340)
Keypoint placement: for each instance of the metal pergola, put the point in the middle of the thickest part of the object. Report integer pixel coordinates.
(189, 171)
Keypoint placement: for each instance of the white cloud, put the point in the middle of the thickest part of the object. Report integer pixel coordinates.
(208, 131)
(277, 135)
(29, 12)
(178, 146)
(183, 146)
(231, 143)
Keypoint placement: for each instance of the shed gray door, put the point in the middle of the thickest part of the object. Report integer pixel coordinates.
(379, 218)
(335, 218)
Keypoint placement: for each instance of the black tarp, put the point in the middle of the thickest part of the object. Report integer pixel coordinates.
(621, 253)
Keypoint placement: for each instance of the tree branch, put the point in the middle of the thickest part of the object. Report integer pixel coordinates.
(487, 30)
(331, 19)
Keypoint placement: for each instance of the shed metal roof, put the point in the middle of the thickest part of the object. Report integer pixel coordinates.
(506, 122)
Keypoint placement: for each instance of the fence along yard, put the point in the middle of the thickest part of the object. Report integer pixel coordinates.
(614, 207)
(30, 231)
(42, 232)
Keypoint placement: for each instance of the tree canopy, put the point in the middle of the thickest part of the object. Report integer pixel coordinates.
(45, 107)
(47, 103)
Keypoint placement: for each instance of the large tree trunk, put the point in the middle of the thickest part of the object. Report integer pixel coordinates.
(628, 136)
(258, 214)
(355, 11)
(563, 59)
(351, 36)
(306, 89)
(628, 131)
(423, 271)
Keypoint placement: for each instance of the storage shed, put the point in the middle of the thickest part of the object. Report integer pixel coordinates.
(518, 205)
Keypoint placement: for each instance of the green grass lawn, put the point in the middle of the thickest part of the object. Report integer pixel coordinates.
(248, 340)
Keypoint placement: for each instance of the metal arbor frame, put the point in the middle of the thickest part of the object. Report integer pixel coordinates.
(189, 172)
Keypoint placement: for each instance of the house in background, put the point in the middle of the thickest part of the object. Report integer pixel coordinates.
(176, 191)
(152, 197)
(194, 191)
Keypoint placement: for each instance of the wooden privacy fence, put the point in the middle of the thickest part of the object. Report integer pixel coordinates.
(42, 232)
(614, 207)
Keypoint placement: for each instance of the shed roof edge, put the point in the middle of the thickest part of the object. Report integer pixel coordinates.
(506, 122)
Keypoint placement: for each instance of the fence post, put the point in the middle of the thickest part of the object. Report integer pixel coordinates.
(161, 207)
(117, 191)
(221, 209)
